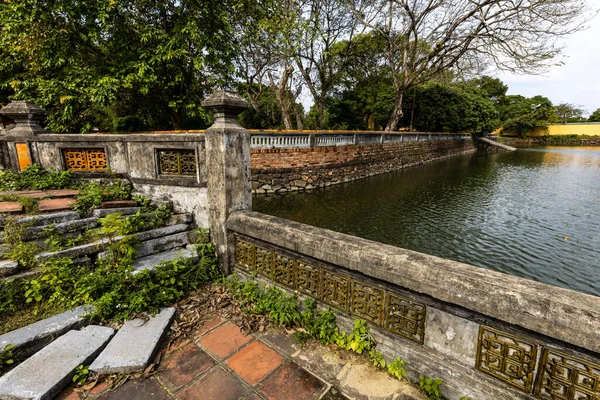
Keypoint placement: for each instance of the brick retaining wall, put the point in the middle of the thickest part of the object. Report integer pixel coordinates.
(283, 170)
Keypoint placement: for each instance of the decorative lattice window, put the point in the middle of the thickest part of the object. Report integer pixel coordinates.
(85, 159)
(177, 162)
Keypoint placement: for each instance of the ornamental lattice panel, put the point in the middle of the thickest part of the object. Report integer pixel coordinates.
(506, 357)
(565, 377)
(177, 162)
(85, 159)
(389, 310)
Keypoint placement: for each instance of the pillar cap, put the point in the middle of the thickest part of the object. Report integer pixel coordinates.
(224, 102)
(28, 117)
(21, 107)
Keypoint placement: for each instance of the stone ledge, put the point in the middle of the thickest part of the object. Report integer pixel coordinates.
(563, 314)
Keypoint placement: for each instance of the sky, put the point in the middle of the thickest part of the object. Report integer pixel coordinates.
(577, 81)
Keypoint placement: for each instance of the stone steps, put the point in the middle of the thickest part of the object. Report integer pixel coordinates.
(135, 344)
(47, 372)
(31, 338)
(98, 246)
(151, 261)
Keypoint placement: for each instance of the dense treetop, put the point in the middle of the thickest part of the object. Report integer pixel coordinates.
(119, 65)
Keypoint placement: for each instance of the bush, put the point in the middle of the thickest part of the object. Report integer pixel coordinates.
(35, 177)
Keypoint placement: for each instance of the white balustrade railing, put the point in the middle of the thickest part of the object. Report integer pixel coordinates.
(307, 140)
(339, 140)
(280, 141)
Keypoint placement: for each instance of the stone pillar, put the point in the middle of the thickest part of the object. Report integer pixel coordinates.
(27, 118)
(228, 171)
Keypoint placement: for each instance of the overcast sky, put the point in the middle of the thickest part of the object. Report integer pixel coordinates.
(577, 81)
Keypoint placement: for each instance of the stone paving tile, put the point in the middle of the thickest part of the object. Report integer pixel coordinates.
(183, 366)
(138, 389)
(10, 207)
(217, 384)
(292, 382)
(208, 325)
(55, 204)
(224, 340)
(255, 361)
(281, 341)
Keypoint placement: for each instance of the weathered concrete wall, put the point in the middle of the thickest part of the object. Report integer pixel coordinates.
(281, 170)
(486, 334)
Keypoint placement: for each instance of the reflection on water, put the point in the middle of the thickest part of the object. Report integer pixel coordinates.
(533, 213)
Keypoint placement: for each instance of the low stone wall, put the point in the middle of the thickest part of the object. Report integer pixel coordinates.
(488, 335)
(550, 141)
(162, 166)
(280, 170)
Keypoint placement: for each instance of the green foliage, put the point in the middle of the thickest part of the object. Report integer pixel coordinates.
(57, 241)
(111, 288)
(377, 358)
(359, 340)
(81, 374)
(431, 387)
(396, 368)
(595, 116)
(438, 108)
(320, 325)
(522, 116)
(118, 65)
(18, 250)
(310, 323)
(464, 398)
(34, 177)
(92, 194)
(6, 357)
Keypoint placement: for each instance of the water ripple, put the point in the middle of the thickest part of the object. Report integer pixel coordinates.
(534, 213)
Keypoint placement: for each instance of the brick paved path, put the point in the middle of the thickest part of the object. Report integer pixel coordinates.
(221, 363)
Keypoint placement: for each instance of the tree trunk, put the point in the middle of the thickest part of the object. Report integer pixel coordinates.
(321, 111)
(280, 96)
(299, 123)
(392, 124)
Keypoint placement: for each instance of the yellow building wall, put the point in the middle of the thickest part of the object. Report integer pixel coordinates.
(570, 129)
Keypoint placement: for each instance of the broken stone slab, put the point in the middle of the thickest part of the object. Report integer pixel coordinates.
(151, 261)
(48, 371)
(31, 338)
(163, 243)
(180, 219)
(37, 232)
(74, 252)
(100, 245)
(135, 345)
(103, 212)
(47, 219)
(8, 267)
(22, 275)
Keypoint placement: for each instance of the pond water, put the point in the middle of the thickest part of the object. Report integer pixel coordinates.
(533, 213)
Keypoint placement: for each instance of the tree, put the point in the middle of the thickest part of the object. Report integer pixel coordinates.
(567, 111)
(429, 37)
(455, 108)
(320, 61)
(595, 116)
(91, 64)
(522, 116)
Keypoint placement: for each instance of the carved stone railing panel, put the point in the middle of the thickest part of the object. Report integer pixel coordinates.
(383, 307)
